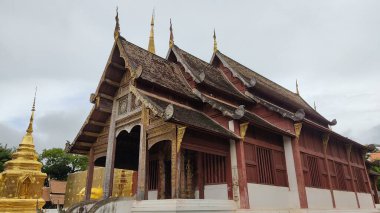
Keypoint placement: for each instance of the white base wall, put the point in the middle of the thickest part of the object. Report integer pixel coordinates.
(216, 192)
(196, 194)
(319, 198)
(345, 200)
(152, 195)
(365, 201)
(272, 197)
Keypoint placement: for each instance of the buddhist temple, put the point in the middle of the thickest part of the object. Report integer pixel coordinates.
(213, 136)
(22, 180)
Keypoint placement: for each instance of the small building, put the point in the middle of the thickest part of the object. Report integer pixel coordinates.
(54, 194)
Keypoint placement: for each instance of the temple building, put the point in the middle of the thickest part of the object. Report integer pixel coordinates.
(22, 180)
(205, 132)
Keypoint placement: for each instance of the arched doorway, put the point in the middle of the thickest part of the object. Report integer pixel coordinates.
(159, 171)
(127, 158)
(127, 149)
(100, 161)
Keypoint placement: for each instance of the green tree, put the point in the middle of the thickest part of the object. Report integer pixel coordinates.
(57, 164)
(5, 155)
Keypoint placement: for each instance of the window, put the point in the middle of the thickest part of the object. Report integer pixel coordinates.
(214, 169)
(361, 181)
(313, 167)
(340, 176)
(265, 165)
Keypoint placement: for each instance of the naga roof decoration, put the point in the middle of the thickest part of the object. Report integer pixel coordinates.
(175, 76)
(259, 83)
(205, 73)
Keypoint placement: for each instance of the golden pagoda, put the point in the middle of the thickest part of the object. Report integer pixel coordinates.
(22, 180)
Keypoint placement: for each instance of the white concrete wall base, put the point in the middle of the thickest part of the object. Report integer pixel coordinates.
(365, 201)
(319, 198)
(152, 195)
(272, 197)
(184, 206)
(216, 192)
(309, 211)
(345, 200)
(121, 205)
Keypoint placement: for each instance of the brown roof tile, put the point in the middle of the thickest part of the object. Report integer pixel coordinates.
(157, 70)
(190, 117)
(213, 76)
(269, 87)
(58, 187)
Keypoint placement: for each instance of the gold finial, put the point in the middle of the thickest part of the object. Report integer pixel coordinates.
(171, 40)
(116, 33)
(30, 127)
(151, 47)
(215, 44)
(315, 106)
(298, 92)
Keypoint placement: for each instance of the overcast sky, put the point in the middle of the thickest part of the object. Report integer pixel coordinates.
(331, 47)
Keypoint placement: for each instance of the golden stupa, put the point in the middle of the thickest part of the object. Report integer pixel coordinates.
(22, 180)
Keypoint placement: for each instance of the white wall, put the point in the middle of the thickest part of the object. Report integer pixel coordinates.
(272, 197)
(365, 201)
(217, 192)
(345, 200)
(319, 198)
(152, 195)
(196, 194)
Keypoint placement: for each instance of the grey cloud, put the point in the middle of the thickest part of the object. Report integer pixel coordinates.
(10, 136)
(331, 47)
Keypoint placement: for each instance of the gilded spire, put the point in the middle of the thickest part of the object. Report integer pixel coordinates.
(215, 44)
(297, 91)
(151, 47)
(30, 127)
(171, 39)
(116, 33)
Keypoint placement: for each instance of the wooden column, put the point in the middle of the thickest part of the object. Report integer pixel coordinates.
(177, 161)
(242, 172)
(376, 194)
(325, 141)
(368, 180)
(90, 174)
(110, 159)
(161, 175)
(200, 177)
(348, 151)
(182, 193)
(141, 176)
(298, 166)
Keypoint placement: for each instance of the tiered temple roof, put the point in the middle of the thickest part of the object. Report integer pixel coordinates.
(181, 87)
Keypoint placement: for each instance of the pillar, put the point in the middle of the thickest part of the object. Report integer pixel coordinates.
(141, 175)
(290, 167)
(298, 167)
(368, 180)
(161, 176)
(90, 174)
(348, 151)
(234, 167)
(376, 194)
(241, 165)
(325, 141)
(177, 161)
(110, 159)
(200, 175)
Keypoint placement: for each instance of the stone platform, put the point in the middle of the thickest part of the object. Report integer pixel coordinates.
(125, 205)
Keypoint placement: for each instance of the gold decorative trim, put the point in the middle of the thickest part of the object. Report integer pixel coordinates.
(180, 134)
(297, 130)
(243, 129)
